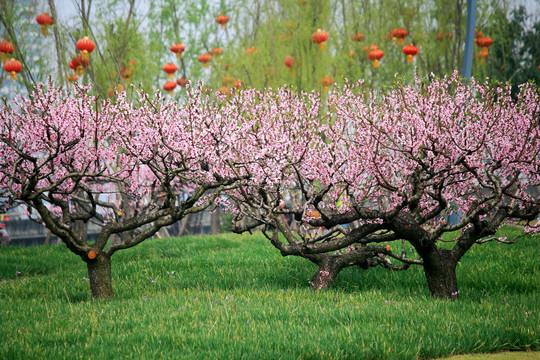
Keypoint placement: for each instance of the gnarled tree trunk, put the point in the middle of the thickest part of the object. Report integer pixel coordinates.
(330, 265)
(440, 271)
(99, 272)
(329, 268)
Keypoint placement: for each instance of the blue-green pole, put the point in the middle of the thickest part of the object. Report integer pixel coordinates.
(469, 39)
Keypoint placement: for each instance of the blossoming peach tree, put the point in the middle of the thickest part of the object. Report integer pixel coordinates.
(357, 178)
(123, 166)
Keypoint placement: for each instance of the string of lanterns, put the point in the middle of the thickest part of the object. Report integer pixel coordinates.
(86, 46)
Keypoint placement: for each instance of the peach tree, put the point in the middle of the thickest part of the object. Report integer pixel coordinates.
(358, 178)
(131, 167)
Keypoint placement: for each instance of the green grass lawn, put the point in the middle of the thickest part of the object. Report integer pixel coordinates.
(235, 297)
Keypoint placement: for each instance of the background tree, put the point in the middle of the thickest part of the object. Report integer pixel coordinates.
(515, 51)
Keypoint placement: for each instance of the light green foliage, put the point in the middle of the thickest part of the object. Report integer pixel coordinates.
(145, 32)
(235, 297)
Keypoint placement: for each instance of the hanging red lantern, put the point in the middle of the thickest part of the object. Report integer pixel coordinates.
(85, 46)
(400, 34)
(326, 82)
(375, 55)
(13, 67)
(169, 86)
(320, 37)
(6, 48)
(126, 72)
(44, 20)
(289, 62)
(442, 36)
(216, 51)
(170, 69)
(78, 63)
(178, 49)
(73, 64)
(205, 59)
(182, 82)
(222, 19)
(484, 42)
(72, 78)
(357, 37)
(410, 51)
(252, 50)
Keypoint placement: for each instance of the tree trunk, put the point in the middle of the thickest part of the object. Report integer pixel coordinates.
(184, 226)
(440, 270)
(215, 222)
(99, 272)
(329, 268)
(48, 238)
(82, 229)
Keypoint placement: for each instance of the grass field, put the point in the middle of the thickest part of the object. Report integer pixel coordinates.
(235, 297)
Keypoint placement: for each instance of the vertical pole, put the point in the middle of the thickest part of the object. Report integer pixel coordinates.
(469, 39)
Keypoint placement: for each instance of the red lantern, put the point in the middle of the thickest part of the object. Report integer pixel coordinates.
(216, 51)
(6, 48)
(484, 42)
(410, 51)
(73, 64)
(44, 20)
(78, 63)
(72, 78)
(375, 55)
(205, 59)
(13, 67)
(86, 46)
(222, 19)
(169, 86)
(400, 34)
(126, 72)
(182, 82)
(441, 36)
(320, 37)
(289, 62)
(326, 82)
(178, 49)
(357, 37)
(252, 50)
(170, 69)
